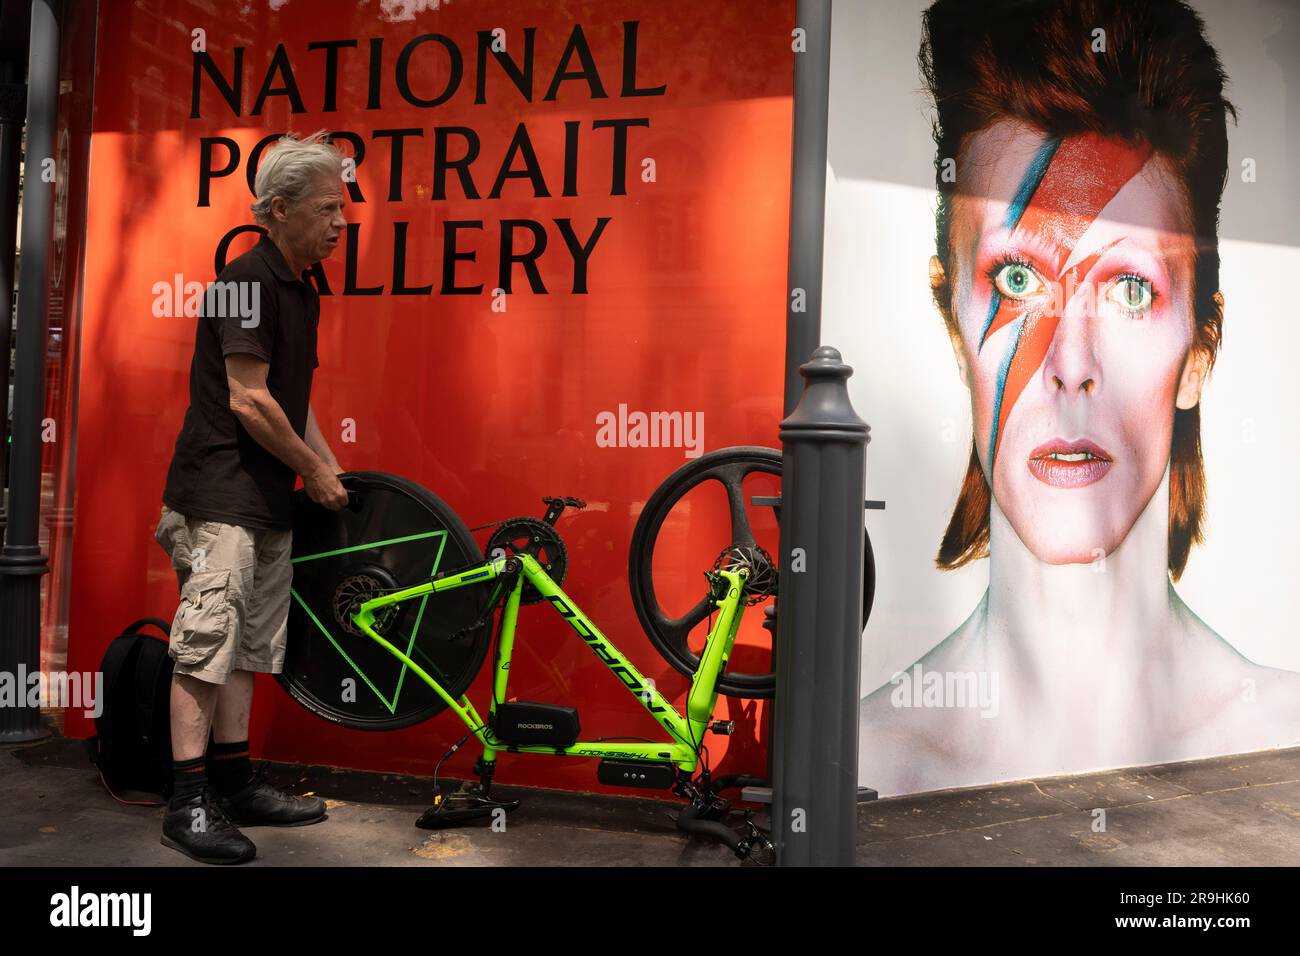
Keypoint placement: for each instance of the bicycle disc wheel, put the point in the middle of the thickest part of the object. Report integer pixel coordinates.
(670, 635)
(393, 534)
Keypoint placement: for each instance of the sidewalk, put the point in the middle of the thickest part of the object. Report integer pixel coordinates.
(1226, 811)
(1234, 811)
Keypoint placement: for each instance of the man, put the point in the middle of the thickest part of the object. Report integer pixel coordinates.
(226, 517)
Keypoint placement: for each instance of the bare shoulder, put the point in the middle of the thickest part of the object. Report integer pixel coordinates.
(926, 727)
(1278, 693)
(1239, 705)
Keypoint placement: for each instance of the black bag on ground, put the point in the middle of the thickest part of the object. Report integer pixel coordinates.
(132, 746)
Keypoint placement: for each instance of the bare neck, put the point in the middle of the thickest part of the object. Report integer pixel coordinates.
(1080, 618)
(296, 265)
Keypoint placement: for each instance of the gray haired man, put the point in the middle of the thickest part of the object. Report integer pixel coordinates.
(226, 517)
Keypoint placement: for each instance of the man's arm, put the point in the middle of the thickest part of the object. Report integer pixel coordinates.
(261, 415)
(315, 439)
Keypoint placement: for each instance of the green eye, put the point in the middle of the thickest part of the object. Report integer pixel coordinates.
(1131, 293)
(1017, 281)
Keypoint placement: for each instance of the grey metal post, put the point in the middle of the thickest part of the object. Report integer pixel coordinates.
(13, 107)
(812, 69)
(819, 623)
(812, 90)
(21, 561)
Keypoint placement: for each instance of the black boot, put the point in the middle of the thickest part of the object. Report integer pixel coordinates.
(260, 804)
(199, 829)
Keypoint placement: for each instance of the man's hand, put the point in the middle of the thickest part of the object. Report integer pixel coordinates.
(324, 488)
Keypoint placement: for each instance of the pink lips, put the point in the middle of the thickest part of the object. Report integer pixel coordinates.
(1076, 463)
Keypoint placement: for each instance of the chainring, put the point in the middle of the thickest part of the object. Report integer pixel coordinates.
(537, 538)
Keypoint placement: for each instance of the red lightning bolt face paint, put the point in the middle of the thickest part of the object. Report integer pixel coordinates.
(1067, 185)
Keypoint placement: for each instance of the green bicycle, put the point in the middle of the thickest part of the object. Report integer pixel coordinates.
(394, 592)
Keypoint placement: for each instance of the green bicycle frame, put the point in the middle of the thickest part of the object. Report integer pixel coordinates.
(687, 732)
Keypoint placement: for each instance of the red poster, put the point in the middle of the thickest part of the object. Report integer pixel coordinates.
(624, 180)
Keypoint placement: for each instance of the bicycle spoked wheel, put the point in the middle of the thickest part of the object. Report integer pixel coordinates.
(671, 634)
(394, 534)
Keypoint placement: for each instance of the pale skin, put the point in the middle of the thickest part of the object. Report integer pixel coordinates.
(305, 232)
(1098, 663)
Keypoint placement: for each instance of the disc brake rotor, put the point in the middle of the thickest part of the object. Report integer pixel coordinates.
(761, 583)
(361, 585)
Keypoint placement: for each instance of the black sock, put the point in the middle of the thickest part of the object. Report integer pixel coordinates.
(229, 767)
(188, 780)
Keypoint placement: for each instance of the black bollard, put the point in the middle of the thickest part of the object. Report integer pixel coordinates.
(13, 111)
(21, 561)
(819, 621)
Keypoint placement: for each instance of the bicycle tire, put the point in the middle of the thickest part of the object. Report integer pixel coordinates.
(668, 639)
(398, 533)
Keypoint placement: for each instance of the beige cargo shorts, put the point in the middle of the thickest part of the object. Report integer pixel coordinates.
(234, 586)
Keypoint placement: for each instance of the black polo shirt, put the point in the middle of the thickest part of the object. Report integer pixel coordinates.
(218, 471)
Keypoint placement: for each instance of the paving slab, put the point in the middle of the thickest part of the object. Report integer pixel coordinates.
(1242, 810)
(1234, 811)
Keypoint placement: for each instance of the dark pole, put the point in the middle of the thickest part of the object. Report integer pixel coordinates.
(819, 624)
(13, 106)
(21, 561)
(812, 88)
(812, 68)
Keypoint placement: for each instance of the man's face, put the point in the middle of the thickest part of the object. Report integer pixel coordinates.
(1072, 291)
(313, 226)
